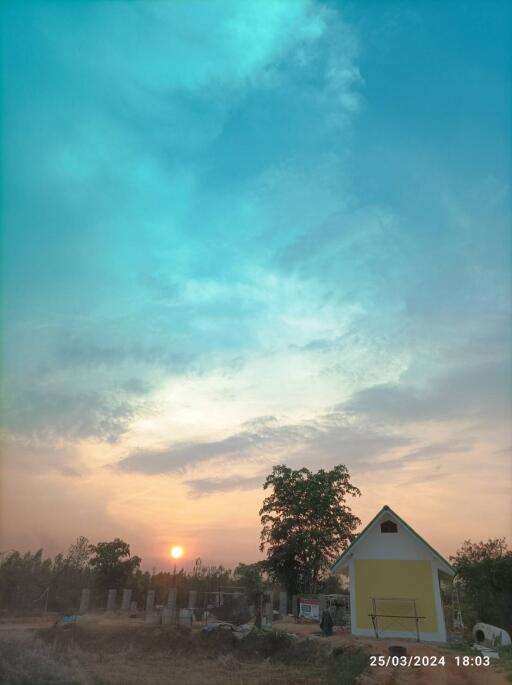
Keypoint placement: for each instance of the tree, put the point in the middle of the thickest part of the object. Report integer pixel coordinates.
(113, 564)
(23, 579)
(332, 585)
(70, 574)
(140, 583)
(250, 576)
(79, 553)
(476, 552)
(306, 524)
(485, 573)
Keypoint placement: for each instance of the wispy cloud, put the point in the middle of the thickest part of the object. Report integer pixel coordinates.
(328, 440)
(202, 487)
(466, 393)
(54, 414)
(33, 457)
(130, 168)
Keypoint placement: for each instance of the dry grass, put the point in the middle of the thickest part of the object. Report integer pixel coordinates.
(161, 655)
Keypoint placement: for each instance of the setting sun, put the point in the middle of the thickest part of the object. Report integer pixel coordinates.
(176, 552)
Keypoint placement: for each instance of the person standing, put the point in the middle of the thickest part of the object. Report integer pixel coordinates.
(326, 624)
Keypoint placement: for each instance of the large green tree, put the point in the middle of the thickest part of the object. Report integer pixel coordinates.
(306, 524)
(113, 565)
(484, 570)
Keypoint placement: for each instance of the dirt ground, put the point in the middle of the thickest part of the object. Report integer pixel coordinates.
(159, 667)
(111, 649)
(450, 674)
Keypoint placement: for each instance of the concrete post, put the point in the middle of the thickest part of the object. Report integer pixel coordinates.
(111, 599)
(85, 601)
(269, 613)
(192, 599)
(295, 605)
(171, 601)
(127, 598)
(150, 600)
(185, 617)
(283, 604)
(151, 615)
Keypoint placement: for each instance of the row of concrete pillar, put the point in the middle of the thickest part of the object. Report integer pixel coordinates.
(126, 600)
(127, 604)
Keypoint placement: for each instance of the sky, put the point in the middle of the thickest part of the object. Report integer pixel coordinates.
(240, 234)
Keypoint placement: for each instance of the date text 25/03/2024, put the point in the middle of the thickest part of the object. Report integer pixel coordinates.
(432, 661)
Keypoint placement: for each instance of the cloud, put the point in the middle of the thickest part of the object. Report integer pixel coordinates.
(319, 443)
(473, 392)
(438, 449)
(37, 457)
(319, 345)
(50, 414)
(424, 478)
(152, 261)
(168, 253)
(326, 441)
(177, 46)
(79, 352)
(361, 452)
(202, 487)
(260, 436)
(426, 453)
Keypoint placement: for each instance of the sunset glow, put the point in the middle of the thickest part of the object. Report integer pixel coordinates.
(287, 243)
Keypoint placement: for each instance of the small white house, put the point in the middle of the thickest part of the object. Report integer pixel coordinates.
(394, 581)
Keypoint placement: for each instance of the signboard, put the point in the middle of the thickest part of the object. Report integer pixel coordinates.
(309, 608)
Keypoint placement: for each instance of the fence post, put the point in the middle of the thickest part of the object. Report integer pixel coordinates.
(269, 613)
(150, 600)
(111, 599)
(295, 605)
(127, 598)
(85, 601)
(283, 604)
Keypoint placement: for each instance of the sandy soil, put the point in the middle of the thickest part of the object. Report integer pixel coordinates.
(450, 674)
(111, 619)
(14, 623)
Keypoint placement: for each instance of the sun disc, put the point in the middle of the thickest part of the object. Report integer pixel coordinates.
(176, 552)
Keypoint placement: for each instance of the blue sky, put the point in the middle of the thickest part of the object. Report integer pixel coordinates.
(237, 234)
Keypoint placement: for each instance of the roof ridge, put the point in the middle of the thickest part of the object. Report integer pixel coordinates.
(410, 528)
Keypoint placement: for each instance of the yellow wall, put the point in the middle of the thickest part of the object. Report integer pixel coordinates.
(389, 578)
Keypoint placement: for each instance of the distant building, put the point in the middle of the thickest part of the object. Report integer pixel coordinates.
(394, 581)
(309, 607)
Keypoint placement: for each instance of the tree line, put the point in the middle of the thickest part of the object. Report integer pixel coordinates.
(31, 583)
(484, 575)
(306, 524)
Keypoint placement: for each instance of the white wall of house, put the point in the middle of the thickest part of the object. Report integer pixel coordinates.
(402, 545)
